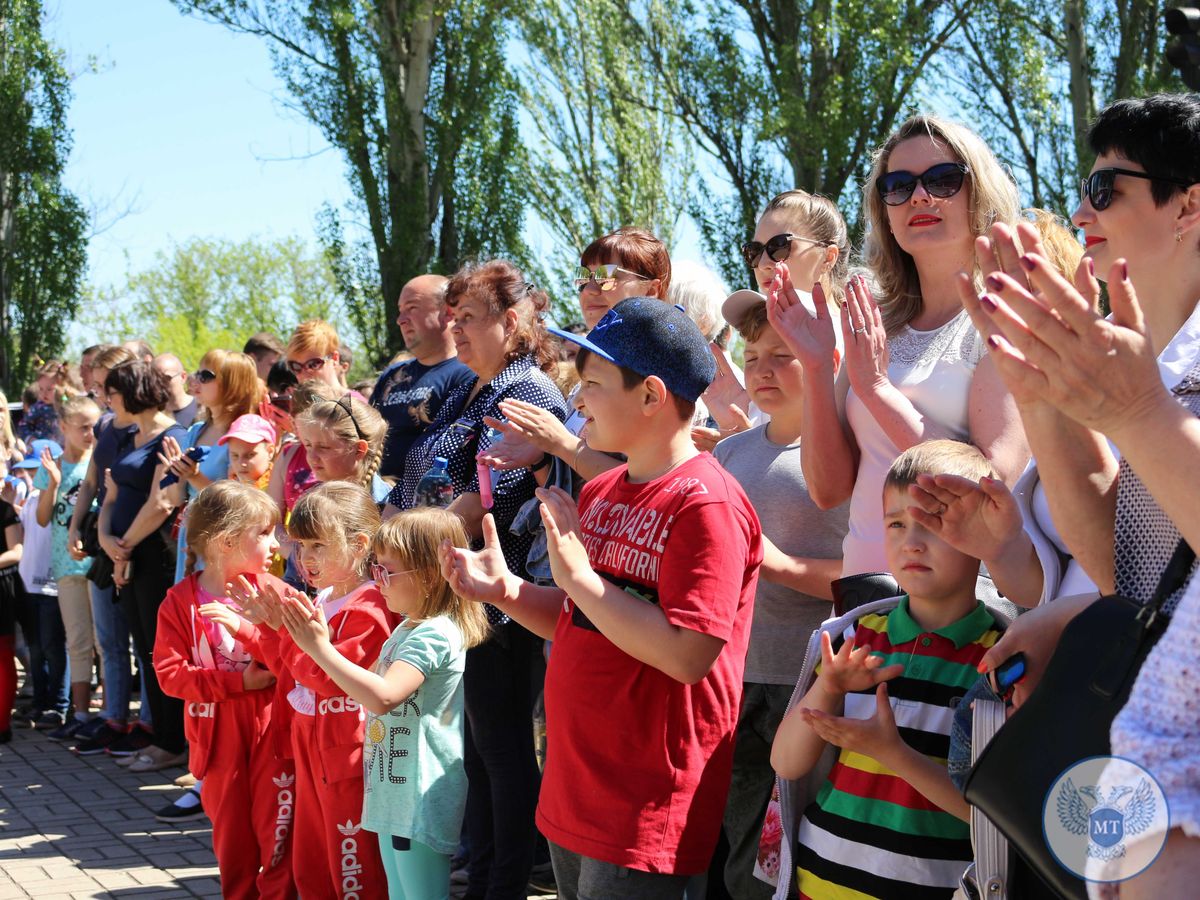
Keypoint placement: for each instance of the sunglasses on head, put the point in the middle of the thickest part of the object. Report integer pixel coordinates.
(382, 576)
(941, 181)
(205, 376)
(1098, 187)
(310, 365)
(777, 248)
(605, 277)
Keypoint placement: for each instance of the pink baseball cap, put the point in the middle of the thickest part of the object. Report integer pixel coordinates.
(250, 428)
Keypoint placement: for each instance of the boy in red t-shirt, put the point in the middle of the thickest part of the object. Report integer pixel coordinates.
(656, 573)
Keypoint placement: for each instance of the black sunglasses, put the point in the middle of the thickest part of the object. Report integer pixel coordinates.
(1098, 187)
(205, 376)
(777, 248)
(941, 181)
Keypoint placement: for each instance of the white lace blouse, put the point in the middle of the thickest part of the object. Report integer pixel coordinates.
(933, 369)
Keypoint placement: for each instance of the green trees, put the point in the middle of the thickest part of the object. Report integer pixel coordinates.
(42, 225)
(212, 293)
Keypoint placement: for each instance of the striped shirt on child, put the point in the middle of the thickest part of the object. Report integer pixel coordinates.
(869, 833)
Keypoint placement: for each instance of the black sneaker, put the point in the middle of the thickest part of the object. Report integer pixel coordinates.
(133, 741)
(180, 813)
(104, 738)
(90, 728)
(26, 714)
(50, 720)
(68, 730)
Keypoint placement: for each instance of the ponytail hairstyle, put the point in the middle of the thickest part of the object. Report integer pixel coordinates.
(225, 508)
(413, 537)
(816, 216)
(334, 513)
(350, 420)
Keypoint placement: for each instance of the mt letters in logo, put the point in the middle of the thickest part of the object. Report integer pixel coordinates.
(1105, 819)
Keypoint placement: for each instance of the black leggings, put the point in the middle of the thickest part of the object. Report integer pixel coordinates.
(153, 562)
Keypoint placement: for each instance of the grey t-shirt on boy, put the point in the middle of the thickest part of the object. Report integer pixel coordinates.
(784, 619)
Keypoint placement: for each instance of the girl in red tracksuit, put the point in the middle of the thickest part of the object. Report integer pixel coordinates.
(249, 791)
(332, 526)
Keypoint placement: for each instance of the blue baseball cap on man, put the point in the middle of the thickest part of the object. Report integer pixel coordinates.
(650, 337)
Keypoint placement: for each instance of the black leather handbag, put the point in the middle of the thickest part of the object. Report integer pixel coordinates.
(1068, 717)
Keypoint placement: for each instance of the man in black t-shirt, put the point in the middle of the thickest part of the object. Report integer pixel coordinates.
(410, 393)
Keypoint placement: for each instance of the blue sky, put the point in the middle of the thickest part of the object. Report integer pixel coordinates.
(182, 120)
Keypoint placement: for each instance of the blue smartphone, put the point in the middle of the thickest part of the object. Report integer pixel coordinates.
(195, 453)
(1007, 674)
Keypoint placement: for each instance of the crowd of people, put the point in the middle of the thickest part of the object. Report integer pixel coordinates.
(596, 657)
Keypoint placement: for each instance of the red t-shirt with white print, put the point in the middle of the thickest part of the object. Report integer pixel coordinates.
(638, 764)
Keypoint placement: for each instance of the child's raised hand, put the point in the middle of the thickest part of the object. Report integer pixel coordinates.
(51, 467)
(256, 676)
(305, 621)
(568, 557)
(852, 668)
(223, 615)
(479, 575)
(258, 606)
(877, 736)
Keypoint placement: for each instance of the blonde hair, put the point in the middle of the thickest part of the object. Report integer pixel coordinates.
(414, 537)
(77, 404)
(350, 420)
(1058, 240)
(943, 457)
(240, 389)
(992, 197)
(224, 508)
(112, 355)
(816, 216)
(9, 445)
(753, 323)
(333, 511)
(316, 336)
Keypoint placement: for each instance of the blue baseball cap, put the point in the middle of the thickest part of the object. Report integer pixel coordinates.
(33, 459)
(652, 337)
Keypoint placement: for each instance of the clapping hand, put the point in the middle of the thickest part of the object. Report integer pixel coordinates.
(305, 622)
(479, 575)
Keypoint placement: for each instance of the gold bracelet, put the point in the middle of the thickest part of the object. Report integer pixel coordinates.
(578, 449)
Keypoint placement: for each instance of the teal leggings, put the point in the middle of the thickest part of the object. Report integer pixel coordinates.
(419, 873)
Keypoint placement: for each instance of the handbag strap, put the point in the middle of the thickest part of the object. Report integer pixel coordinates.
(1173, 578)
(990, 847)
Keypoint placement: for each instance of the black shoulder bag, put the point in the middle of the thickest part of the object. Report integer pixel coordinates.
(1068, 718)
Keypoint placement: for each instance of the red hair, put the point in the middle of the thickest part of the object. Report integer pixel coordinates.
(634, 249)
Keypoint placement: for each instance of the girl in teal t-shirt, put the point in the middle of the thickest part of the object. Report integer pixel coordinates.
(414, 781)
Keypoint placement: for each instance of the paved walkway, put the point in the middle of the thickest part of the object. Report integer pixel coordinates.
(75, 827)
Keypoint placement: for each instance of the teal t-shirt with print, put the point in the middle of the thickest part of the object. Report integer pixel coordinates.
(414, 782)
(62, 566)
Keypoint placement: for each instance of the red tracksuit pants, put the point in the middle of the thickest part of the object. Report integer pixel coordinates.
(250, 796)
(329, 818)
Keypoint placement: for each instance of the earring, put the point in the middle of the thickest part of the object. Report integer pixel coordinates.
(1179, 235)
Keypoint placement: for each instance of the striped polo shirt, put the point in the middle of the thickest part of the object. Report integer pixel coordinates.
(869, 833)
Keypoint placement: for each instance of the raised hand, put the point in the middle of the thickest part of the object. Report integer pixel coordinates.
(568, 557)
(479, 575)
(258, 606)
(981, 520)
(305, 621)
(810, 337)
(874, 737)
(51, 467)
(725, 398)
(513, 451)
(175, 460)
(538, 426)
(865, 339)
(852, 668)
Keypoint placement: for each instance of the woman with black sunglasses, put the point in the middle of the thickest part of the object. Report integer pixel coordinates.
(915, 367)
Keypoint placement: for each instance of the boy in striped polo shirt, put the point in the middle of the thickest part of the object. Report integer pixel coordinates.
(888, 822)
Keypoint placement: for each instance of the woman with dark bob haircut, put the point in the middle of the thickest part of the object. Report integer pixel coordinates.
(136, 534)
(499, 335)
